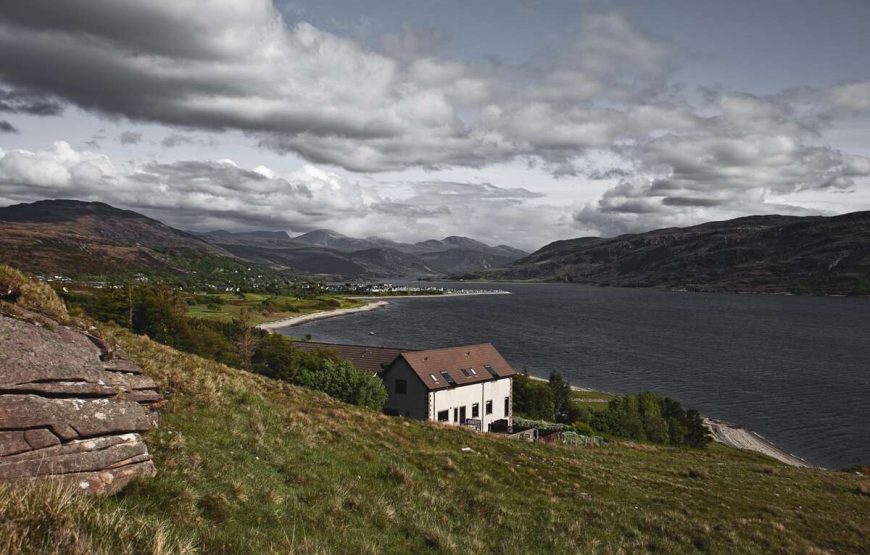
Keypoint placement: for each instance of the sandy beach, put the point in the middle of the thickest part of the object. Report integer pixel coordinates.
(303, 318)
(377, 302)
(741, 438)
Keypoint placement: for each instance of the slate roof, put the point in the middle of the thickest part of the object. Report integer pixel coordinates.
(458, 366)
(363, 357)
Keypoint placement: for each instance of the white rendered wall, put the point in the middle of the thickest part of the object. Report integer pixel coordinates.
(467, 395)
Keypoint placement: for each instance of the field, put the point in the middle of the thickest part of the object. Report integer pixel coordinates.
(225, 307)
(247, 464)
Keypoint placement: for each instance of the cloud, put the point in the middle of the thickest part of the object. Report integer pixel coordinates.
(130, 138)
(177, 139)
(220, 194)
(24, 101)
(6, 127)
(295, 88)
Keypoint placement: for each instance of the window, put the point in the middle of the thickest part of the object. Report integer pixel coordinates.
(466, 372)
(456, 415)
(507, 406)
(434, 378)
(401, 387)
(475, 410)
(489, 407)
(444, 416)
(473, 371)
(462, 415)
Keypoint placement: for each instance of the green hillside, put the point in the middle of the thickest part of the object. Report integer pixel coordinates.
(251, 465)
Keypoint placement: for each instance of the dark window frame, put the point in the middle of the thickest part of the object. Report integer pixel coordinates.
(445, 414)
(475, 410)
(488, 407)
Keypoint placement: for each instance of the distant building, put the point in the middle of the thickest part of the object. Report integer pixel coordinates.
(470, 385)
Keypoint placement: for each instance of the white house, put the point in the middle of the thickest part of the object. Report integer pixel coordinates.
(470, 385)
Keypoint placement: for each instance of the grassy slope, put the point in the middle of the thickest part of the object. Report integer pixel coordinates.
(247, 464)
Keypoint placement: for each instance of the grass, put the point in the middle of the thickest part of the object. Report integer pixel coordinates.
(48, 518)
(30, 294)
(247, 464)
(592, 399)
(232, 304)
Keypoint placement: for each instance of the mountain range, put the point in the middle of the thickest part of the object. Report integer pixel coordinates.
(75, 237)
(814, 254)
(324, 251)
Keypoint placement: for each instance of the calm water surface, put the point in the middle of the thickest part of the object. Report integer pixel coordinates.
(795, 369)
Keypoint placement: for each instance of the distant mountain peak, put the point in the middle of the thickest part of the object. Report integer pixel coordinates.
(62, 210)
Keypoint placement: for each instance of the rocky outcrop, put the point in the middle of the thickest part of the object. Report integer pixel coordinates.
(71, 407)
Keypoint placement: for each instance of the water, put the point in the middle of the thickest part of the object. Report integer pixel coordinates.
(794, 369)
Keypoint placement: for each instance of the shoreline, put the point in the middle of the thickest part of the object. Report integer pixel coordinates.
(734, 436)
(376, 302)
(743, 438)
(319, 315)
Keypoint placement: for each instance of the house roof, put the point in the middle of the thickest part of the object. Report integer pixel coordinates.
(457, 366)
(363, 357)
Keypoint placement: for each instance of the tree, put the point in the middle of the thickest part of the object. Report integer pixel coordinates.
(532, 398)
(344, 382)
(248, 338)
(697, 434)
(560, 391)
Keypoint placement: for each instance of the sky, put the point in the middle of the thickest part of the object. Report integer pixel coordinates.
(514, 122)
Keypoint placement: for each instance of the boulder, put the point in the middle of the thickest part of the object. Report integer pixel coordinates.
(71, 407)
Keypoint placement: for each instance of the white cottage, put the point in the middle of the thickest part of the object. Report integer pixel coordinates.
(469, 385)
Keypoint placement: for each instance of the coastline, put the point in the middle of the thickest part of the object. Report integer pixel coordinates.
(742, 438)
(376, 302)
(735, 436)
(320, 315)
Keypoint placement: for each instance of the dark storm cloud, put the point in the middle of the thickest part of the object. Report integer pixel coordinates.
(408, 210)
(612, 173)
(689, 201)
(130, 138)
(6, 127)
(24, 101)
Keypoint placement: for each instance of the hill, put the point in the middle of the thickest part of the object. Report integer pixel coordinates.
(248, 464)
(92, 238)
(77, 238)
(821, 255)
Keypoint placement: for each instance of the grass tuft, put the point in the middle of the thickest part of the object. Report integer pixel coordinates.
(51, 518)
(30, 294)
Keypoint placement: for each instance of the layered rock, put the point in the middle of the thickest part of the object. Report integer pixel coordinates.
(71, 408)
